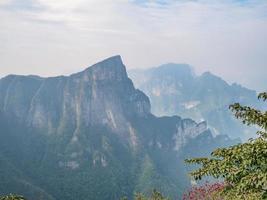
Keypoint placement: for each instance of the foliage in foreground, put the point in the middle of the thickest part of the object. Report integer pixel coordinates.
(12, 197)
(215, 191)
(243, 166)
(207, 191)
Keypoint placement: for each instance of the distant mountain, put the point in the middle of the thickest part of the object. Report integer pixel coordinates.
(174, 89)
(91, 135)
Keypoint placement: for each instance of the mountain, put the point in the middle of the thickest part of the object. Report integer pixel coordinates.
(91, 135)
(174, 89)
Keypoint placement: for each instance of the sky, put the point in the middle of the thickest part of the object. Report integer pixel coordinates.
(55, 37)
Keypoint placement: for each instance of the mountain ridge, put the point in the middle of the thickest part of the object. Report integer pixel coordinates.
(91, 135)
(174, 91)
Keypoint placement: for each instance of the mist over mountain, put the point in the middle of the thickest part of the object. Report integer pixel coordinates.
(174, 89)
(91, 135)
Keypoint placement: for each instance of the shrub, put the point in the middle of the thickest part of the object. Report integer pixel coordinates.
(12, 197)
(207, 191)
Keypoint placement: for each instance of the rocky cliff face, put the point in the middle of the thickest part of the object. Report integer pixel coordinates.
(91, 135)
(92, 97)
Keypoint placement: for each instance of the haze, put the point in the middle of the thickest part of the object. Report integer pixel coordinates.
(54, 37)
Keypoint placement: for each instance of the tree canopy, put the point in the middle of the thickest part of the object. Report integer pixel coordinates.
(243, 167)
(155, 195)
(12, 197)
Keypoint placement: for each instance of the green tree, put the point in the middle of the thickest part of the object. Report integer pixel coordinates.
(155, 195)
(243, 166)
(12, 197)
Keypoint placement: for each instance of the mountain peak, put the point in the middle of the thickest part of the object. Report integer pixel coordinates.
(211, 79)
(111, 68)
(174, 69)
(111, 62)
(114, 58)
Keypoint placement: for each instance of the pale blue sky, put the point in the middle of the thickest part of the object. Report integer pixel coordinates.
(53, 37)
